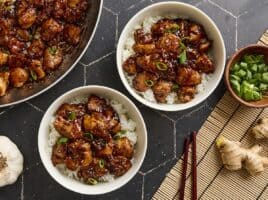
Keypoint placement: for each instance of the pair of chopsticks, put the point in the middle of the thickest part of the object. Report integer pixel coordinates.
(184, 169)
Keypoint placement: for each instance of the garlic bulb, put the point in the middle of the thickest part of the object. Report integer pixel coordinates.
(11, 161)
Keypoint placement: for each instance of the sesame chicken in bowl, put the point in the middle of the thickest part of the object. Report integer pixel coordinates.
(92, 140)
(170, 56)
(92, 143)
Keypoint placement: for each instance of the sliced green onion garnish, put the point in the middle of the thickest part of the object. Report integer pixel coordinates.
(72, 116)
(173, 28)
(33, 75)
(117, 136)
(101, 163)
(89, 135)
(175, 86)
(182, 57)
(62, 140)
(182, 45)
(92, 181)
(149, 83)
(52, 50)
(161, 66)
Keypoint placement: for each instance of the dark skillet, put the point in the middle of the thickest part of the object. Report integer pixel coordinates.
(15, 96)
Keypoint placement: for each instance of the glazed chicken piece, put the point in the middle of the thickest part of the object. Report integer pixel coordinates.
(108, 115)
(50, 28)
(204, 46)
(103, 148)
(184, 28)
(98, 125)
(130, 66)
(17, 60)
(71, 111)
(36, 48)
(27, 17)
(112, 119)
(123, 147)
(169, 43)
(143, 81)
(38, 3)
(59, 153)
(36, 70)
(59, 8)
(161, 90)
(3, 58)
(75, 10)
(79, 154)
(4, 81)
(186, 93)
(95, 170)
(144, 48)
(142, 38)
(118, 165)
(52, 58)
(15, 46)
(205, 64)
(72, 33)
(95, 104)
(18, 77)
(23, 35)
(149, 62)
(68, 128)
(196, 33)
(164, 26)
(188, 77)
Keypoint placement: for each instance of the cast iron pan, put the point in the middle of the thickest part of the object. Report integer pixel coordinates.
(15, 96)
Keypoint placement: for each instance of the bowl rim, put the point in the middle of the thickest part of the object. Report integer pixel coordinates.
(240, 52)
(44, 157)
(158, 106)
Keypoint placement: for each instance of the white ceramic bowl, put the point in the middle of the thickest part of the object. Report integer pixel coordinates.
(185, 11)
(140, 147)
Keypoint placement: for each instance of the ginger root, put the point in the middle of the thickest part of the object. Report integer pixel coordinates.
(234, 157)
(260, 131)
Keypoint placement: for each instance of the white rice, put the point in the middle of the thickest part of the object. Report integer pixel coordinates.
(128, 51)
(127, 125)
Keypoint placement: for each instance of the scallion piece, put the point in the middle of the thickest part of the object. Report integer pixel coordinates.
(52, 50)
(254, 68)
(175, 87)
(182, 57)
(173, 28)
(241, 73)
(161, 66)
(92, 181)
(89, 135)
(244, 65)
(72, 116)
(236, 67)
(62, 140)
(149, 83)
(265, 77)
(102, 163)
(33, 75)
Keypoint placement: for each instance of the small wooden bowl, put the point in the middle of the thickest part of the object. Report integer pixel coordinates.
(251, 49)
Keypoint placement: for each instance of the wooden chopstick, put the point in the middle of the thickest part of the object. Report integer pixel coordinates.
(184, 169)
(194, 170)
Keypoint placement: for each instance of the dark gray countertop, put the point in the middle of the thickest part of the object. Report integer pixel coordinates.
(240, 21)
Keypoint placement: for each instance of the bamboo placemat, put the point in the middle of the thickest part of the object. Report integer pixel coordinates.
(233, 121)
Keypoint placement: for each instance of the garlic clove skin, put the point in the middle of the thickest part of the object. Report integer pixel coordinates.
(14, 162)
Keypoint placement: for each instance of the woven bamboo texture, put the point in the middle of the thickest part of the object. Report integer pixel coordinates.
(233, 121)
